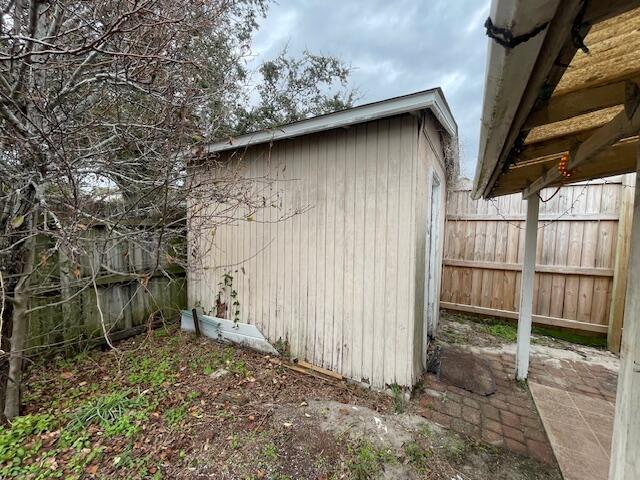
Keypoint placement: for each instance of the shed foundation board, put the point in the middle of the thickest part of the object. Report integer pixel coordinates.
(227, 330)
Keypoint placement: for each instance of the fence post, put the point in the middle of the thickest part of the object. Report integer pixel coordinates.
(196, 322)
(616, 312)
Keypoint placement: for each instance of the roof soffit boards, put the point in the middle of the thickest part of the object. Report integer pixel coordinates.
(432, 100)
(584, 91)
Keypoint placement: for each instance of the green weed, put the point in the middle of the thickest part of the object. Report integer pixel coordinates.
(506, 332)
(282, 346)
(126, 426)
(13, 439)
(193, 395)
(572, 337)
(150, 371)
(455, 448)
(270, 452)
(22, 456)
(427, 431)
(417, 456)
(174, 416)
(239, 367)
(161, 332)
(399, 402)
(117, 413)
(367, 461)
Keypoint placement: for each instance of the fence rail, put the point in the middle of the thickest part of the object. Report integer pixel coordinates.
(577, 248)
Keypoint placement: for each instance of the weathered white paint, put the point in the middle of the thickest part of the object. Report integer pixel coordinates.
(227, 331)
(625, 462)
(526, 292)
(430, 166)
(507, 73)
(342, 282)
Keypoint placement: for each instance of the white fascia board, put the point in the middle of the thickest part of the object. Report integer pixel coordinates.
(430, 99)
(507, 75)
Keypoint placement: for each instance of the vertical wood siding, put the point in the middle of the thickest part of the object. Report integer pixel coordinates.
(341, 281)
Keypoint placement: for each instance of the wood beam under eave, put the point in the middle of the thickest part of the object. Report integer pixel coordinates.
(555, 54)
(553, 146)
(623, 125)
(617, 159)
(572, 104)
(600, 11)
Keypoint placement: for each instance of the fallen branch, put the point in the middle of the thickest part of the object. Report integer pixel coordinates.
(312, 370)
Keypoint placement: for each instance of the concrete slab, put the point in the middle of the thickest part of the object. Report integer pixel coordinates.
(579, 427)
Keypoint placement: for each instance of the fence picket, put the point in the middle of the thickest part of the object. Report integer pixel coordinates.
(575, 253)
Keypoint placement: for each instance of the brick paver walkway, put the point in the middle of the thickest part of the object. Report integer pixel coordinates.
(508, 418)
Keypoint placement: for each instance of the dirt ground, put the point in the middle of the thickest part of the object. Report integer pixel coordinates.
(494, 336)
(169, 405)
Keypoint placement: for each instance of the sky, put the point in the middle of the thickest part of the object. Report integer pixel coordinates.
(395, 48)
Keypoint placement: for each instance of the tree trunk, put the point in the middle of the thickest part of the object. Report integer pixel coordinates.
(19, 332)
(5, 346)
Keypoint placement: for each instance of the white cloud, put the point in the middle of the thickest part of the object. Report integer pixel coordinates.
(476, 22)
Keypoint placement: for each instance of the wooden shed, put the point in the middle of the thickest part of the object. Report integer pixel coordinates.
(561, 105)
(342, 264)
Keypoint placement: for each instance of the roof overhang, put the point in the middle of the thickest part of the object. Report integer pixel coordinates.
(432, 100)
(544, 101)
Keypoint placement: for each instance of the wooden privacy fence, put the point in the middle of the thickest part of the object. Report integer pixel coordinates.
(126, 302)
(576, 267)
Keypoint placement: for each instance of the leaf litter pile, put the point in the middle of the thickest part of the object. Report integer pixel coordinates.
(168, 405)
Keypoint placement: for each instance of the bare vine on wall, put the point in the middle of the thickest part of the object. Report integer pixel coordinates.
(227, 303)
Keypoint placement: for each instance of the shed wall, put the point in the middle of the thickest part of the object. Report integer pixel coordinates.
(342, 282)
(430, 163)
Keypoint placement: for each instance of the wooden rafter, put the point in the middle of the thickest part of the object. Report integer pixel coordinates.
(617, 159)
(553, 146)
(623, 125)
(572, 104)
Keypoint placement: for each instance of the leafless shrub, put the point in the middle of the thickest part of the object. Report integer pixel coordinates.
(99, 102)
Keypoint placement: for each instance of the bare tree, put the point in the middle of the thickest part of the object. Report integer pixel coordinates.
(97, 100)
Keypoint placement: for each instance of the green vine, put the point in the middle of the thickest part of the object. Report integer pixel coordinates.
(226, 288)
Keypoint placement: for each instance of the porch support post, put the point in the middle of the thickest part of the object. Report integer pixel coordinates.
(526, 288)
(625, 458)
(621, 264)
